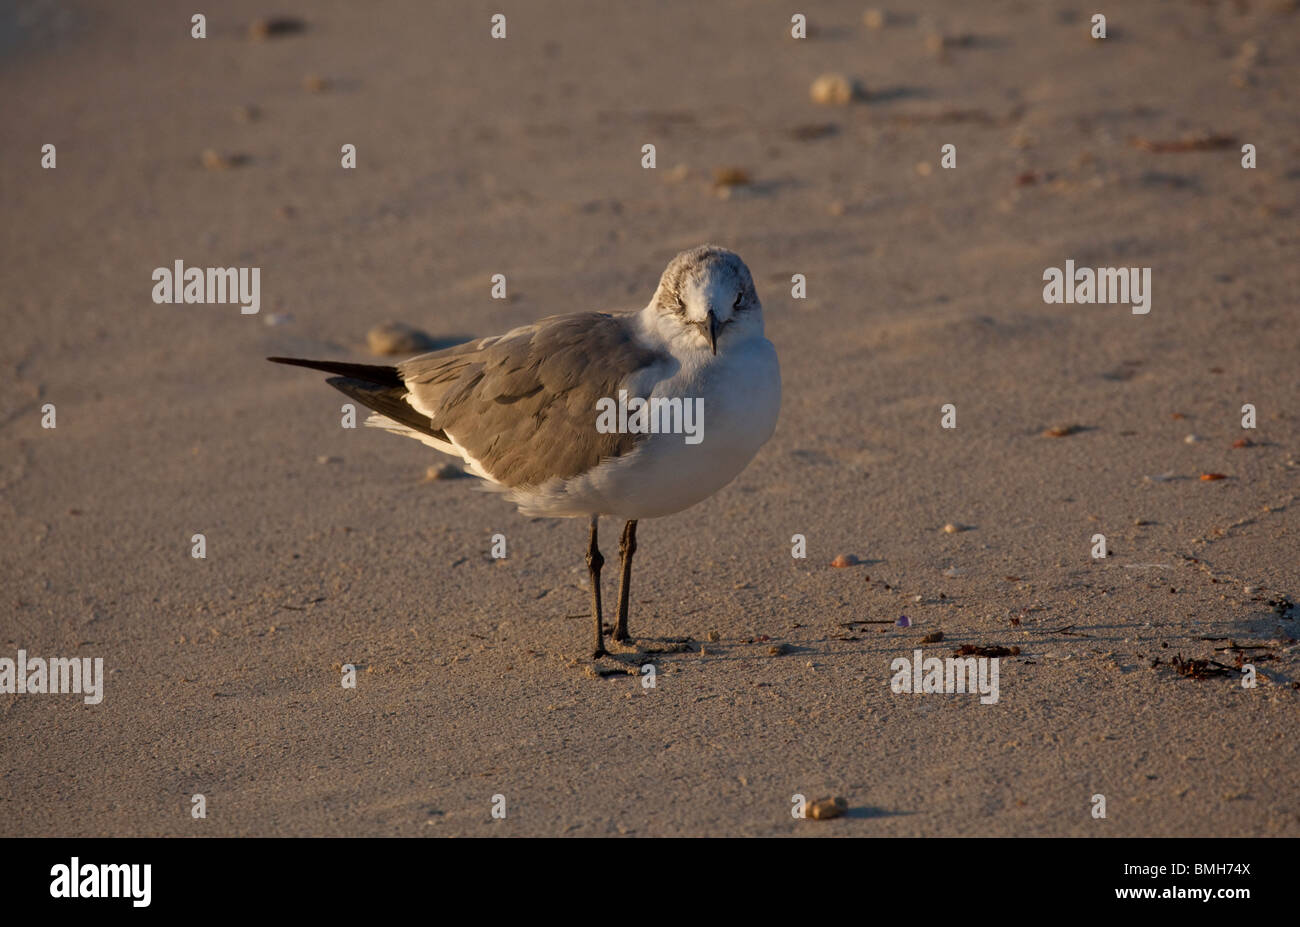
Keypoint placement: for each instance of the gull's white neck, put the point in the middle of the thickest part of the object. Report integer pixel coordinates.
(663, 331)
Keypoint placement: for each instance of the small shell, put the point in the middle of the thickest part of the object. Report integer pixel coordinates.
(397, 338)
(261, 29)
(447, 471)
(731, 177)
(214, 160)
(835, 90)
(826, 808)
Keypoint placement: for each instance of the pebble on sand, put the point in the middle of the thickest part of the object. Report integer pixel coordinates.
(875, 19)
(844, 560)
(835, 90)
(826, 808)
(903, 621)
(314, 83)
(446, 471)
(731, 177)
(938, 43)
(778, 650)
(1062, 431)
(397, 338)
(214, 160)
(950, 528)
(275, 27)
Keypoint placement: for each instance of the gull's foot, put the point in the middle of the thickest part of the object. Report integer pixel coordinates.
(624, 645)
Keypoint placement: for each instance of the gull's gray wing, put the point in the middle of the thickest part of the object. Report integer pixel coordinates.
(524, 404)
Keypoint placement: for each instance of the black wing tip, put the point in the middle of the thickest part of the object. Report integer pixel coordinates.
(378, 374)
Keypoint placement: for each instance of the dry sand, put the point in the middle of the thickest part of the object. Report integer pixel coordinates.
(522, 157)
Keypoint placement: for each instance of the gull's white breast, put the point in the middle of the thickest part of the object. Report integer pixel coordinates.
(741, 390)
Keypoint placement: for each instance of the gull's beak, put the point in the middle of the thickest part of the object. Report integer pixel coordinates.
(713, 331)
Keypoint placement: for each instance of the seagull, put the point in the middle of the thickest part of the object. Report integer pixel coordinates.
(531, 411)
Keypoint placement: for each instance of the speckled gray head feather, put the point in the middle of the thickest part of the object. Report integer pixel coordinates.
(707, 274)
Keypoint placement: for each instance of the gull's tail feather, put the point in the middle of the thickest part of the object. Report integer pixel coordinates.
(375, 387)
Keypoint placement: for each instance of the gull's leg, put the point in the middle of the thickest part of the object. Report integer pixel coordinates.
(626, 548)
(594, 562)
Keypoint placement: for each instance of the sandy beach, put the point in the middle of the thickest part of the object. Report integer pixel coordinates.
(523, 156)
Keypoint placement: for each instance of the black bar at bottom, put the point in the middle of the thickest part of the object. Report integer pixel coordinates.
(362, 877)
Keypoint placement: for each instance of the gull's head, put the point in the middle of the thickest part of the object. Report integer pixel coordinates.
(706, 300)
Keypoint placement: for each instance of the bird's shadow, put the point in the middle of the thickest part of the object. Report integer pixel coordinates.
(866, 812)
(890, 94)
